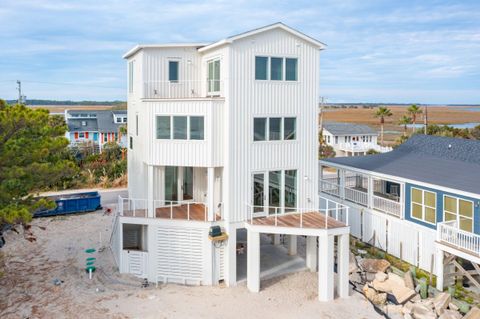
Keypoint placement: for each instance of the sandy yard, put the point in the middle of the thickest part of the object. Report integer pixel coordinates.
(27, 288)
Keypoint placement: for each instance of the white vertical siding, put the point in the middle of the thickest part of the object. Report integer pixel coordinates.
(248, 98)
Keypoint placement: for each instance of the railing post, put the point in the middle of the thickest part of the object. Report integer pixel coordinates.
(171, 209)
(348, 215)
(188, 211)
(276, 215)
(336, 211)
(301, 218)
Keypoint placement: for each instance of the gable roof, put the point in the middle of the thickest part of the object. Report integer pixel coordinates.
(278, 25)
(449, 162)
(337, 128)
(103, 122)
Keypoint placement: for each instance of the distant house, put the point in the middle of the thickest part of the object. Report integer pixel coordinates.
(419, 202)
(95, 126)
(349, 139)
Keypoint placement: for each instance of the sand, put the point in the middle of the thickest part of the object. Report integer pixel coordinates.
(27, 288)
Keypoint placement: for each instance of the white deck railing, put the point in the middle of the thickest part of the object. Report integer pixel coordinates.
(449, 233)
(182, 89)
(382, 204)
(363, 147)
(339, 212)
(187, 210)
(387, 206)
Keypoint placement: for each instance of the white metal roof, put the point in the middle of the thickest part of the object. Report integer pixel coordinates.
(139, 47)
(277, 25)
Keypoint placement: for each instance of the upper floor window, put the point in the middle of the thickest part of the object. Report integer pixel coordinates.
(424, 205)
(276, 68)
(180, 127)
(130, 76)
(459, 210)
(261, 67)
(173, 71)
(291, 69)
(274, 128)
(118, 120)
(125, 120)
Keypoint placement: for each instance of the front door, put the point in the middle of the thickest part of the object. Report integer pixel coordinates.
(171, 183)
(259, 198)
(214, 77)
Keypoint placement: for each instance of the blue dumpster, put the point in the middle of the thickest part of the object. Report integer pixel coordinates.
(71, 204)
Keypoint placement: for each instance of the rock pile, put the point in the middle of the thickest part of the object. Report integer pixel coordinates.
(399, 297)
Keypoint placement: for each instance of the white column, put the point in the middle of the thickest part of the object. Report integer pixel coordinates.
(208, 260)
(211, 193)
(292, 245)
(150, 205)
(341, 174)
(440, 268)
(325, 268)
(370, 192)
(343, 255)
(276, 239)
(231, 257)
(253, 261)
(311, 253)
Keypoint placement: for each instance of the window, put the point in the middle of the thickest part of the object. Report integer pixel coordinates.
(290, 189)
(274, 189)
(136, 124)
(261, 67)
(260, 129)
(336, 139)
(196, 128)
(105, 137)
(274, 128)
(180, 127)
(118, 120)
(163, 127)
(459, 210)
(173, 71)
(130, 76)
(81, 135)
(84, 123)
(289, 128)
(423, 205)
(125, 120)
(214, 76)
(131, 143)
(290, 69)
(275, 125)
(276, 69)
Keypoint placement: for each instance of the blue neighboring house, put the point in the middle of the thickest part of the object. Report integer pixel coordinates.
(420, 202)
(95, 126)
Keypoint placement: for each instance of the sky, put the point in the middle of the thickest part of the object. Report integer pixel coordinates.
(378, 51)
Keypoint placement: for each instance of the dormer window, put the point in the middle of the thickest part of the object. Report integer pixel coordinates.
(84, 123)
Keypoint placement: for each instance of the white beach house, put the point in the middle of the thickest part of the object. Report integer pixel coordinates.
(225, 134)
(349, 139)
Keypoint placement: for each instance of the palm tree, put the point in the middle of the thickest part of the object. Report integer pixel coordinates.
(405, 120)
(414, 110)
(382, 113)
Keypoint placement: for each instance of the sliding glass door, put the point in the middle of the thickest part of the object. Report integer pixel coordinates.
(171, 183)
(178, 181)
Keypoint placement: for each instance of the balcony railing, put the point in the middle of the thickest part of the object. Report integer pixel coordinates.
(360, 197)
(449, 233)
(186, 210)
(363, 147)
(296, 217)
(183, 89)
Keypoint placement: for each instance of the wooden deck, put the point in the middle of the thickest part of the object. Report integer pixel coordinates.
(307, 220)
(196, 212)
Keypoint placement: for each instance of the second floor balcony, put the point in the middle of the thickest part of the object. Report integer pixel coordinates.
(189, 89)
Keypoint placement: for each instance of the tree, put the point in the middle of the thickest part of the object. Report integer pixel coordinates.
(32, 158)
(405, 120)
(324, 150)
(476, 132)
(382, 113)
(414, 110)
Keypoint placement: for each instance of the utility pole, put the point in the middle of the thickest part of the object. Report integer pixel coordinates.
(19, 88)
(22, 99)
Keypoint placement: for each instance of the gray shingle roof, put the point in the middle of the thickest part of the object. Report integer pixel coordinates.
(443, 161)
(336, 128)
(102, 123)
